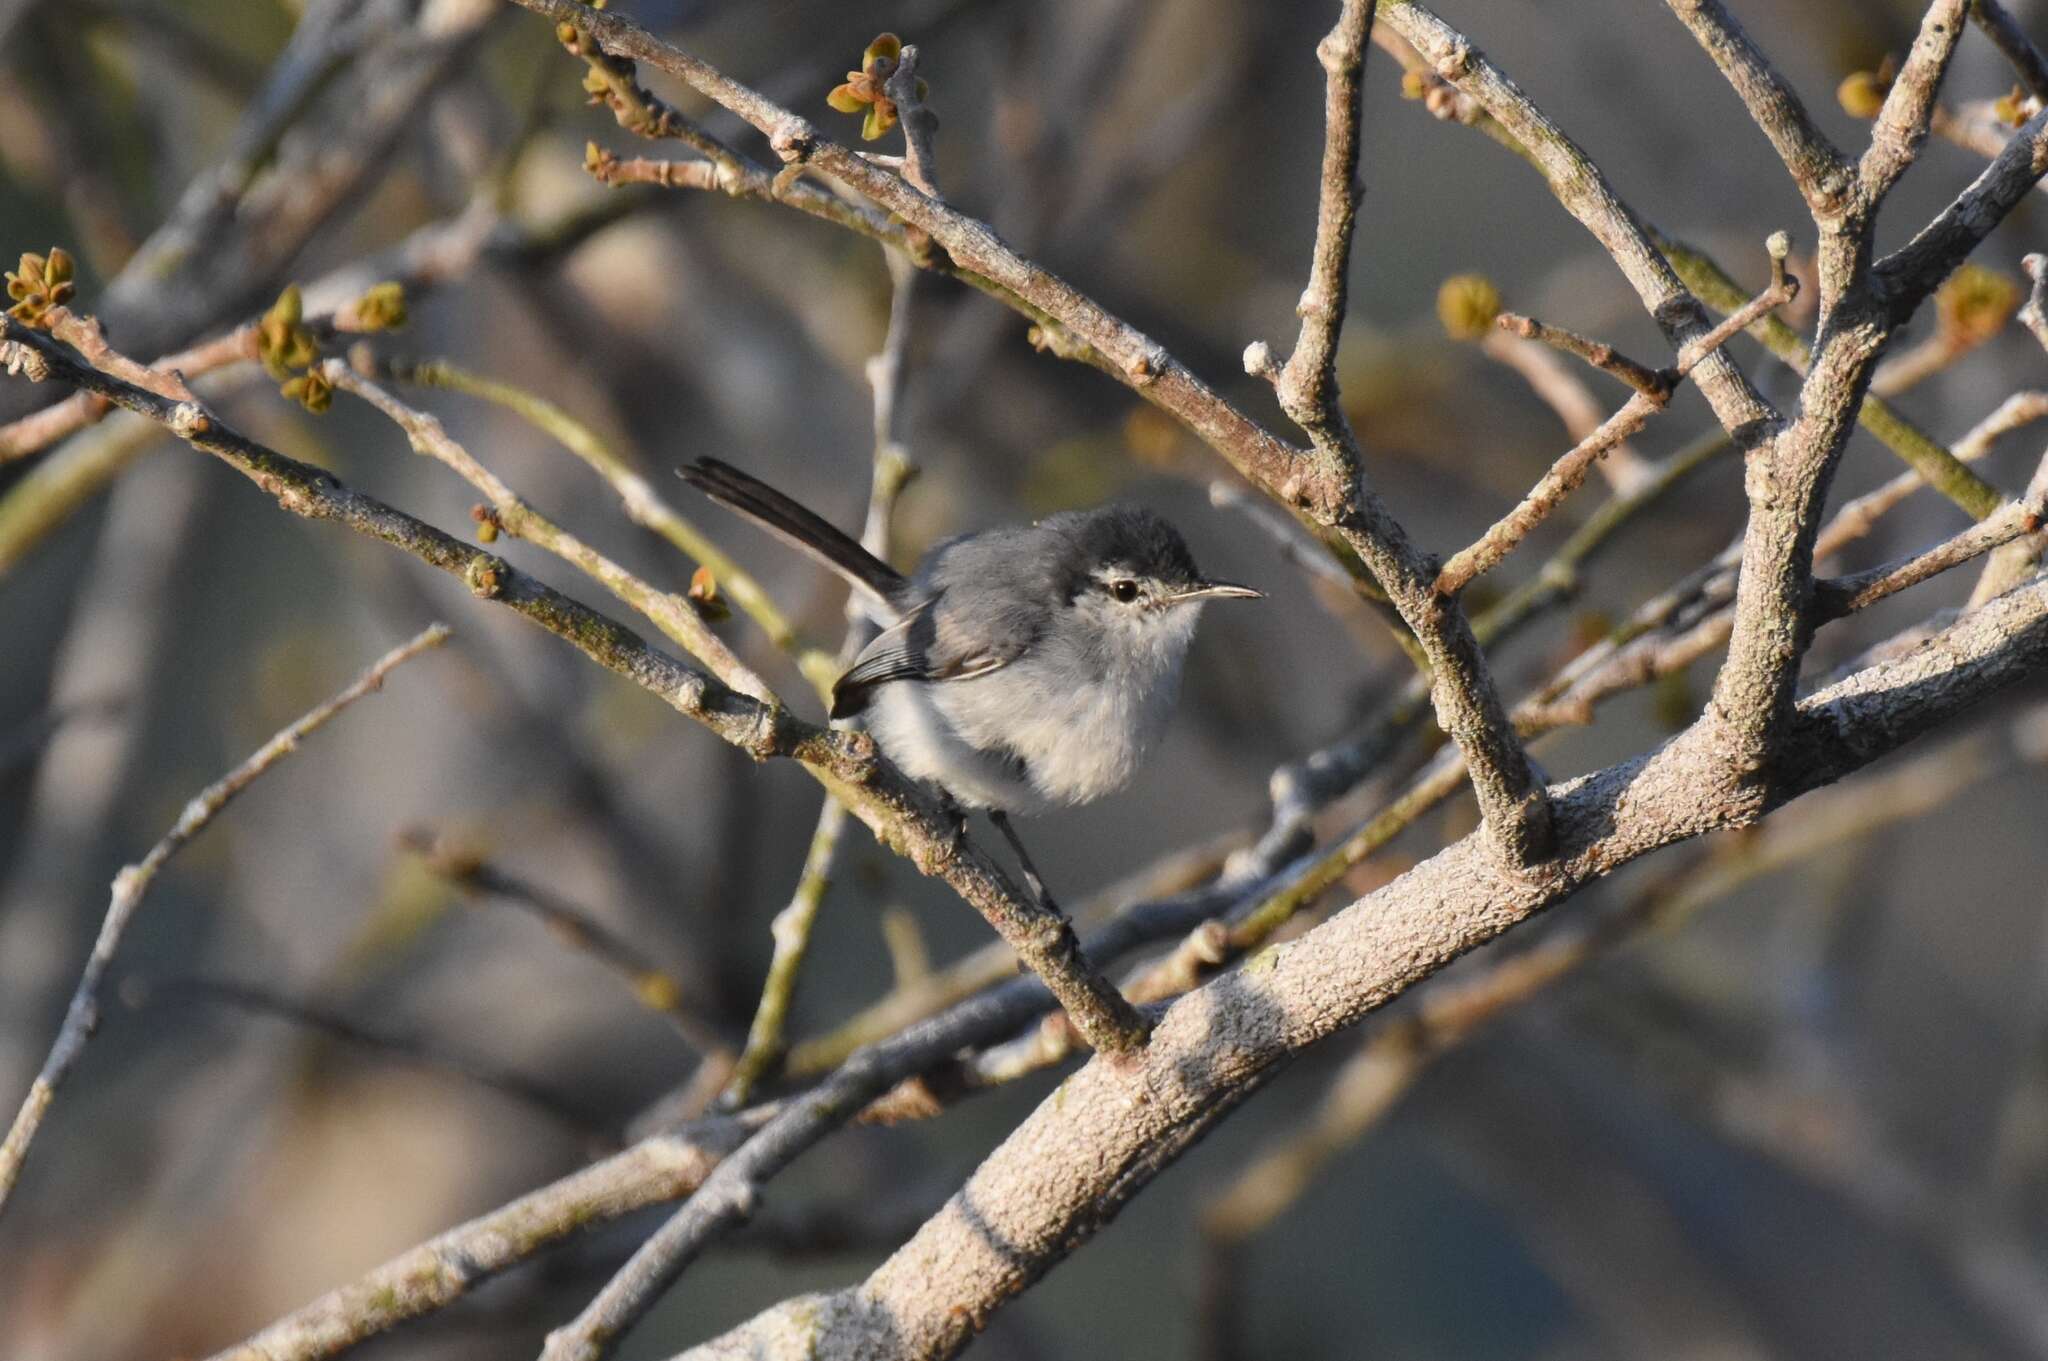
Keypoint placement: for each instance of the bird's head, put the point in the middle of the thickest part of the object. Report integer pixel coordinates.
(1131, 576)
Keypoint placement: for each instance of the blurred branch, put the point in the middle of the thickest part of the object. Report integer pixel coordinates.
(2010, 39)
(731, 1191)
(133, 883)
(409, 1048)
(430, 256)
(1387, 1064)
(1072, 1163)
(443, 1269)
(887, 373)
(188, 44)
(651, 985)
(791, 931)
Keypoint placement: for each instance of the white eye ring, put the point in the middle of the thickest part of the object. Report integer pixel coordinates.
(1124, 589)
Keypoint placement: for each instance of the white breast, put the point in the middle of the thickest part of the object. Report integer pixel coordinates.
(1054, 727)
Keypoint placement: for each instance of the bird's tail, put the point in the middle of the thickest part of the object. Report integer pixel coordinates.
(800, 529)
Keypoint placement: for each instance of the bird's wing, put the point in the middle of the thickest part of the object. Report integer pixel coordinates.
(919, 647)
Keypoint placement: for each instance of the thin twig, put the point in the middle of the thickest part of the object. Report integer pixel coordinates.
(1858, 517)
(1569, 471)
(643, 505)
(1558, 385)
(407, 1047)
(1599, 354)
(650, 984)
(1512, 799)
(1846, 595)
(132, 884)
(669, 612)
(1936, 464)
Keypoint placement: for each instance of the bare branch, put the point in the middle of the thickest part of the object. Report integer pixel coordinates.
(1599, 354)
(2035, 314)
(1846, 595)
(651, 985)
(643, 505)
(446, 1267)
(669, 612)
(1307, 382)
(1820, 171)
(377, 1039)
(1902, 123)
(1585, 193)
(1916, 269)
(1559, 386)
(1330, 489)
(892, 470)
(132, 885)
(1512, 798)
(1652, 393)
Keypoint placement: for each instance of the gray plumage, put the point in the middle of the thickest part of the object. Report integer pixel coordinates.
(1017, 668)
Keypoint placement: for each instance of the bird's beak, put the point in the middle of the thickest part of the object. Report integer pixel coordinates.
(1217, 590)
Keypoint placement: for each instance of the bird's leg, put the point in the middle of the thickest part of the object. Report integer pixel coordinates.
(954, 813)
(1031, 879)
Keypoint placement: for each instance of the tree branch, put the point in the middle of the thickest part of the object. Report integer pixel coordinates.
(901, 815)
(132, 885)
(1821, 173)
(1916, 269)
(1069, 1168)
(1653, 392)
(1901, 126)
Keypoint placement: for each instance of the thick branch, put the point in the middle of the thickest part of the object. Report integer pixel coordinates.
(1069, 1168)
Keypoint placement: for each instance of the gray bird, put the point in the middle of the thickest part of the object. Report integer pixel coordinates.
(1019, 668)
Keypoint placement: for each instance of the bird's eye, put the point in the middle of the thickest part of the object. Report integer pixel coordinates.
(1125, 590)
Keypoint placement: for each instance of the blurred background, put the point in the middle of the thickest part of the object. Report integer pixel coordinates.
(1808, 1119)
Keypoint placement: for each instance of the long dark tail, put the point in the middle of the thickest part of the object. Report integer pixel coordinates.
(799, 528)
